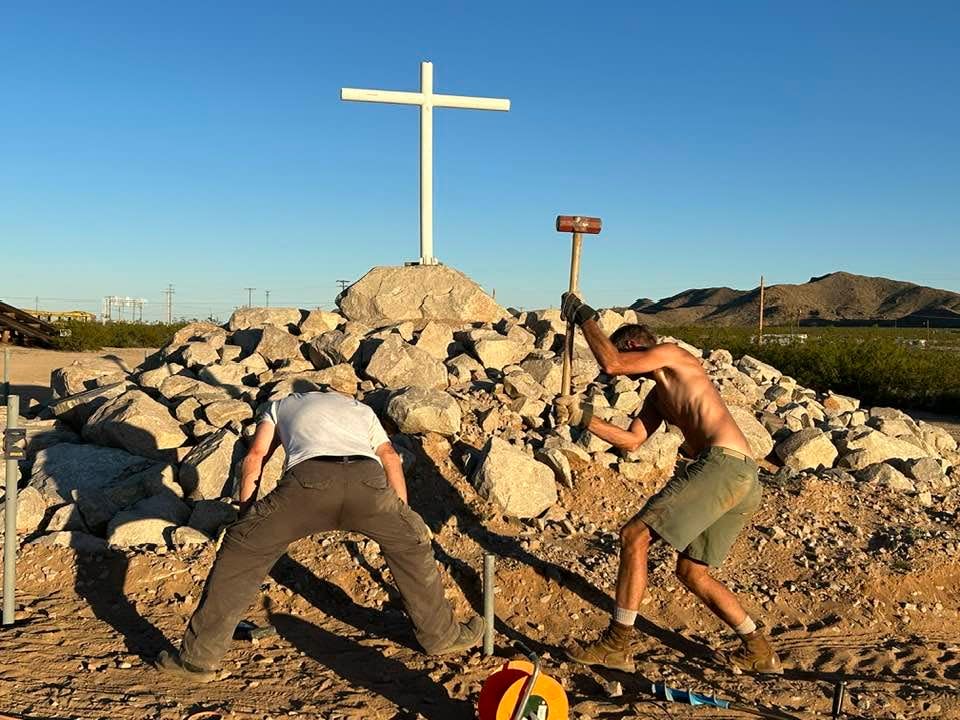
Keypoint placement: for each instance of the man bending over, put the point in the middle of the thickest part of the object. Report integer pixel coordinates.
(699, 512)
(341, 473)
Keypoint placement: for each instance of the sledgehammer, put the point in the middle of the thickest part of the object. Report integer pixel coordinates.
(576, 224)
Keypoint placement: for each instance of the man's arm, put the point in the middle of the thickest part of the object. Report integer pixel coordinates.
(392, 468)
(265, 441)
(634, 362)
(642, 427)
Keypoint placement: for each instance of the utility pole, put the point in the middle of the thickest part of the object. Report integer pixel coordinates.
(760, 332)
(169, 293)
(343, 284)
(250, 296)
(268, 297)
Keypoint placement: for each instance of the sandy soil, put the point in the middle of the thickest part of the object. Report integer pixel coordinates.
(30, 368)
(847, 592)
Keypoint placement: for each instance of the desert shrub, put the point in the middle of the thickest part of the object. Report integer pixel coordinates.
(94, 336)
(872, 364)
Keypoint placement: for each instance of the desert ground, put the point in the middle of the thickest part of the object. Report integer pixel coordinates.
(855, 584)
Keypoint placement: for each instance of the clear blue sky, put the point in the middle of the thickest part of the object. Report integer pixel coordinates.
(204, 144)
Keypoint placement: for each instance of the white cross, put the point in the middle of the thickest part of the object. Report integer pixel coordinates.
(427, 102)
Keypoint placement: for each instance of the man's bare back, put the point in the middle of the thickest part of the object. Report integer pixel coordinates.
(686, 397)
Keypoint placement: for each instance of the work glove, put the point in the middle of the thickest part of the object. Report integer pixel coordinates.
(576, 310)
(573, 410)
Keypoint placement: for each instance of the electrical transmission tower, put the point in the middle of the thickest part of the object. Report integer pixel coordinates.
(267, 292)
(169, 303)
(249, 296)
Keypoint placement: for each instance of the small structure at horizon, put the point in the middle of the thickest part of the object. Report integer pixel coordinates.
(427, 100)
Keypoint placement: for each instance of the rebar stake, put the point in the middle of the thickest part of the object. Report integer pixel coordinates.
(489, 560)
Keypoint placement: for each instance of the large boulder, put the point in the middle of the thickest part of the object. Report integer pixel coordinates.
(137, 423)
(334, 347)
(758, 371)
(86, 375)
(864, 446)
(389, 295)
(277, 345)
(317, 322)
(342, 378)
(808, 449)
(31, 507)
(756, 434)
(397, 364)
(261, 317)
(77, 409)
(205, 332)
(437, 339)
(420, 410)
(520, 485)
(205, 472)
(149, 522)
(223, 413)
(496, 351)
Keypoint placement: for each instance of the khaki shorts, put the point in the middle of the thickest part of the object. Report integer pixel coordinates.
(702, 509)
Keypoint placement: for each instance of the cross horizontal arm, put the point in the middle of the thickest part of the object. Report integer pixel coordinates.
(470, 103)
(382, 96)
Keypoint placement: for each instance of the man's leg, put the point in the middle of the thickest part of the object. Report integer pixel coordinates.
(373, 509)
(250, 548)
(696, 577)
(614, 648)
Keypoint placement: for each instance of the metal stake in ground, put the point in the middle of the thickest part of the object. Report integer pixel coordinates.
(12, 451)
(577, 224)
(489, 560)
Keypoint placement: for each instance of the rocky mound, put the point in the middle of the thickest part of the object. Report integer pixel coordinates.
(150, 457)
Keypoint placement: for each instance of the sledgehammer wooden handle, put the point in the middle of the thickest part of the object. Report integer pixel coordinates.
(576, 224)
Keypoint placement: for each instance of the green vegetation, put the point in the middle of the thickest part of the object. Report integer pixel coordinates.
(876, 365)
(94, 336)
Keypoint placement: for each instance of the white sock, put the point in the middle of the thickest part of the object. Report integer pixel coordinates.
(624, 617)
(746, 627)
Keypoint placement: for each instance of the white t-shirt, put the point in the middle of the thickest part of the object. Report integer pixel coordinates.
(324, 423)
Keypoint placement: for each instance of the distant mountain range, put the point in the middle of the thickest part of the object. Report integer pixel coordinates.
(838, 298)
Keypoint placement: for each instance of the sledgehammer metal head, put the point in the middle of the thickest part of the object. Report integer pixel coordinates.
(578, 225)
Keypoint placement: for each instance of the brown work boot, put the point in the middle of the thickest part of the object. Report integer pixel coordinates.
(757, 655)
(469, 635)
(613, 650)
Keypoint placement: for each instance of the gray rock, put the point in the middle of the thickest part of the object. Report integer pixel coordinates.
(884, 474)
(609, 321)
(199, 354)
(187, 410)
(317, 322)
(936, 438)
(758, 371)
(85, 375)
(520, 384)
(77, 409)
(660, 450)
(277, 345)
(209, 516)
(188, 536)
(927, 471)
(397, 364)
(389, 295)
(808, 449)
(334, 347)
(464, 368)
(136, 423)
(228, 373)
(66, 518)
(437, 339)
(31, 507)
(865, 446)
(419, 410)
(497, 351)
(259, 318)
(178, 387)
(205, 472)
(760, 441)
(152, 379)
(548, 372)
(205, 332)
(557, 461)
(223, 413)
(519, 484)
(149, 522)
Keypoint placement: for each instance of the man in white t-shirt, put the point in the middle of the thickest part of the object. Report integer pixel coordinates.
(341, 473)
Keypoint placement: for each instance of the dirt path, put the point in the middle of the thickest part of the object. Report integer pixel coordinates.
(30, 368)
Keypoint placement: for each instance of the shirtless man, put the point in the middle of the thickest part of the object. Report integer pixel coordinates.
(702, 508)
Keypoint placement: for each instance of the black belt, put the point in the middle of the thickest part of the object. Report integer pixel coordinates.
(344, 459)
